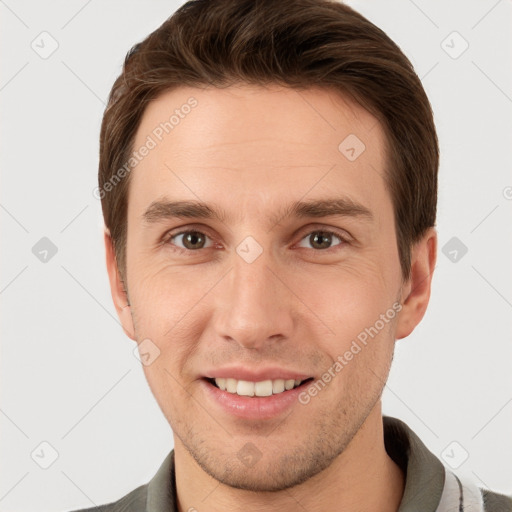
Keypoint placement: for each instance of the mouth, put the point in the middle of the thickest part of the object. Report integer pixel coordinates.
(251, 400)
(259, 389)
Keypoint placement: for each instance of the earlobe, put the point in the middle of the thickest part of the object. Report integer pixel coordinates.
(117, 288)
(416, 291)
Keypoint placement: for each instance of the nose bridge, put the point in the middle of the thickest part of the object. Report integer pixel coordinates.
(253, 306)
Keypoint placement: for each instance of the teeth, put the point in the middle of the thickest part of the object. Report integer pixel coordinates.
(277, 386)
(245, 388)
(262, 388)
(221, 383)
(231, 385)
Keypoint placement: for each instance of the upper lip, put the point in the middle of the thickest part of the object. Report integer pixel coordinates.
(255, 375)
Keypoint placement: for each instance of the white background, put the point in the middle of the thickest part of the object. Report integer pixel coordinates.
(68, 373)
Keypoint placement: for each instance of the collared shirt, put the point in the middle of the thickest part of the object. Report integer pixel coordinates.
(429, 485)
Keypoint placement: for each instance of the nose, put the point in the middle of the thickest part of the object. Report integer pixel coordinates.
(254, 307)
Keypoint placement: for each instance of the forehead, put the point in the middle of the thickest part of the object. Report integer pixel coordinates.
(259, 144)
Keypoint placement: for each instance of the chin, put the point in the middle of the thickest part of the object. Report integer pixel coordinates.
(250, 470)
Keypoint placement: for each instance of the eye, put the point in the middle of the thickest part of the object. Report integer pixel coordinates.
(193, 240)
(321, 239)
(190, 240)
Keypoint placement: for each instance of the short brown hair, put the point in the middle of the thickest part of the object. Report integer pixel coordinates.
(293, 43)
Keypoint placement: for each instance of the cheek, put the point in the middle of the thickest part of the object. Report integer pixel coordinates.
(166, 386)
(164, 296)
(355, 305)
(347, 297)
(168, 308)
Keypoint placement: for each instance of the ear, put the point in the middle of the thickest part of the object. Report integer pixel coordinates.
(416, 290)
(117, 289)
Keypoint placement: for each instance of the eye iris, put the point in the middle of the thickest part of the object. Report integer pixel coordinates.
(192, 239)
(320, 240)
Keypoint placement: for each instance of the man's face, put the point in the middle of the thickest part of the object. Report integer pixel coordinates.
(265, 291)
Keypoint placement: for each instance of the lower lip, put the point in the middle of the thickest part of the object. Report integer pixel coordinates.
(255, 407)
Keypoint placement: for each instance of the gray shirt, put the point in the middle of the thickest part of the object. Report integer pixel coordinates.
(429, 485)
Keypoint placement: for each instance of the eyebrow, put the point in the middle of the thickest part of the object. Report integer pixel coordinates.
(164, 209)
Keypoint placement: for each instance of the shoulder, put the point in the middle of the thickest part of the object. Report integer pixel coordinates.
(134, 501)
(496, 502)
(159, 494)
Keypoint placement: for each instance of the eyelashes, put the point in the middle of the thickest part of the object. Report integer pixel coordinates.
(194, 240)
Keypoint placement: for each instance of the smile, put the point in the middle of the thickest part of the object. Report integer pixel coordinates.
(260, 389)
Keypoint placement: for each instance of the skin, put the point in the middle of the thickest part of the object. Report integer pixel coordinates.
(251, 151)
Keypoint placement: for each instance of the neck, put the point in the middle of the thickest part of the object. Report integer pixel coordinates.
(362, 477)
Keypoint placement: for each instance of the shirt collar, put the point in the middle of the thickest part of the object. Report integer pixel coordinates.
(424, 472)
(161, 491)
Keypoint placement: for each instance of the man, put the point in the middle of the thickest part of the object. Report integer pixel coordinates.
(268, 176)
